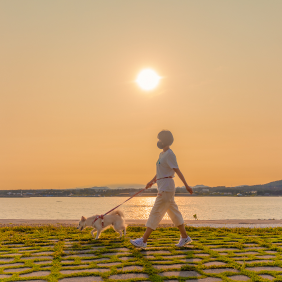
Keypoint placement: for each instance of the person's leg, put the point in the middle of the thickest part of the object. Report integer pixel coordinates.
(182, 231)
(157, 213)
(176, 216)
(147, 234)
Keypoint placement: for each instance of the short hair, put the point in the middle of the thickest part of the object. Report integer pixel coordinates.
(166, 137)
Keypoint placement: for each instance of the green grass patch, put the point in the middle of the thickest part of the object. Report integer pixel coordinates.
(58, 252)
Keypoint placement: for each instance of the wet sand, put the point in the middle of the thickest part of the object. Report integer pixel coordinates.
(138, 222)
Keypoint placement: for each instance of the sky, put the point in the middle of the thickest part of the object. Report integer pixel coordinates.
(72, 115)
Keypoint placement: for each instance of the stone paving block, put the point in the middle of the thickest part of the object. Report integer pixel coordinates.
(44, 253)
(36, 273)
(121, 249)
(254, 247)
(26, 251)
(246, 253)
(82, 279)
(79, 255)
(239, 278)
(270, 252)
(128, 276)
(207, 279)
(202, 255)
(180, 273)
(12, 264)
(126, 258)
(9, 255)
(214, 263)
(174, 256)
(262, 268)
(78, 252)
(266, 256)
(4, 276)
(131, 267)
(266, 276)
(220, 270)
(43, 262)
(154, 252)
(37, 280)
(115, 254)
(72, 266)
(95, 260)
(167, 266)
(109, 264)
(71, 271)
(226, 249)
(192, 260)
(31, 258)
(240, 258)
(223, 254)
(16, 245)
(254, 261)
(17, 269)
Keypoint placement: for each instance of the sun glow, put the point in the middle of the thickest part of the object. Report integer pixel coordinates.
(148, 79)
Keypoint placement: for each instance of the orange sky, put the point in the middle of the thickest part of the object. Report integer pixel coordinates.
(71, 114)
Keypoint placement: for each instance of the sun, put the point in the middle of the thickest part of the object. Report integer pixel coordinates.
(148, 79)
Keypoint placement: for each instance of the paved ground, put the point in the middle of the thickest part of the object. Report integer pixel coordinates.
(65, 255)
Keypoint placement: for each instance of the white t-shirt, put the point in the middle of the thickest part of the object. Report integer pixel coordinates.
(165, 164)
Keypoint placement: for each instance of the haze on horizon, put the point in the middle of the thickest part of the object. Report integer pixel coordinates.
(72, 115)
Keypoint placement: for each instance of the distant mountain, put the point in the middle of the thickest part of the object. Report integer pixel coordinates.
(274, 183)
(201, 186)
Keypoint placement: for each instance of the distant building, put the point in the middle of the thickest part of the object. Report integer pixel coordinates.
(205, 190)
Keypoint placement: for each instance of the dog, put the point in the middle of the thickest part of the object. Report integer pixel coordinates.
(115, 218)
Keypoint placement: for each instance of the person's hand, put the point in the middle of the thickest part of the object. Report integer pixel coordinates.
(149, 184)
(189, 189)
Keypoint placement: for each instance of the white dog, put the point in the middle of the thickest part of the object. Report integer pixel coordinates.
(115, 218)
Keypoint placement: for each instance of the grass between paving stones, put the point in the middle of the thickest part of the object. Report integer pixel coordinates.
(73, 250)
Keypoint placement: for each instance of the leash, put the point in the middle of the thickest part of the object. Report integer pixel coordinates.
(102, 215)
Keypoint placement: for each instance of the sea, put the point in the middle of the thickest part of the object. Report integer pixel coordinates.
(205, 208)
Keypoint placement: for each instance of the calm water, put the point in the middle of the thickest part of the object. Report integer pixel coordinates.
(139, 208)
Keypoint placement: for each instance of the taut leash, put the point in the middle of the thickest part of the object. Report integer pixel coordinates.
(102, 215)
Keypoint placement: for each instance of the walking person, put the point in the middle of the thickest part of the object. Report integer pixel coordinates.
(166, 168)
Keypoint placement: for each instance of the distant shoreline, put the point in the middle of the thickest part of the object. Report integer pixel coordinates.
(229, 223)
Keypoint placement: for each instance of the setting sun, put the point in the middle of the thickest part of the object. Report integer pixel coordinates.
(148, 79)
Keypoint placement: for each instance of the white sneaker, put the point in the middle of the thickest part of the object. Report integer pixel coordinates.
(183, 241)
(138, 243)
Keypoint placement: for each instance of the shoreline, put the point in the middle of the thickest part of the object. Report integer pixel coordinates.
(229, 223)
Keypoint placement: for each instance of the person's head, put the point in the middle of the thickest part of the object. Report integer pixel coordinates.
(165, 139)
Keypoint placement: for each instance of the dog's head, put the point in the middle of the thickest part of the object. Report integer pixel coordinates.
(81, 224)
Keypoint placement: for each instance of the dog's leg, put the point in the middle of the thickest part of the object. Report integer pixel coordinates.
(98, 234)
(93, 231)
(120, 233)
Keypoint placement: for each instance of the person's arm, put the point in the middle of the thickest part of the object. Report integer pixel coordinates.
(152, 182)
(179, 173)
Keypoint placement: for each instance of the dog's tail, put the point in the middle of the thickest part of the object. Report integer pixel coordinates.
(118, 212)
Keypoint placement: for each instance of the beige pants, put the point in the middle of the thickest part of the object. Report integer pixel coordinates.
(164, 203)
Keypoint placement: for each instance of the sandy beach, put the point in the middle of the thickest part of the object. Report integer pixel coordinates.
(232, 223)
